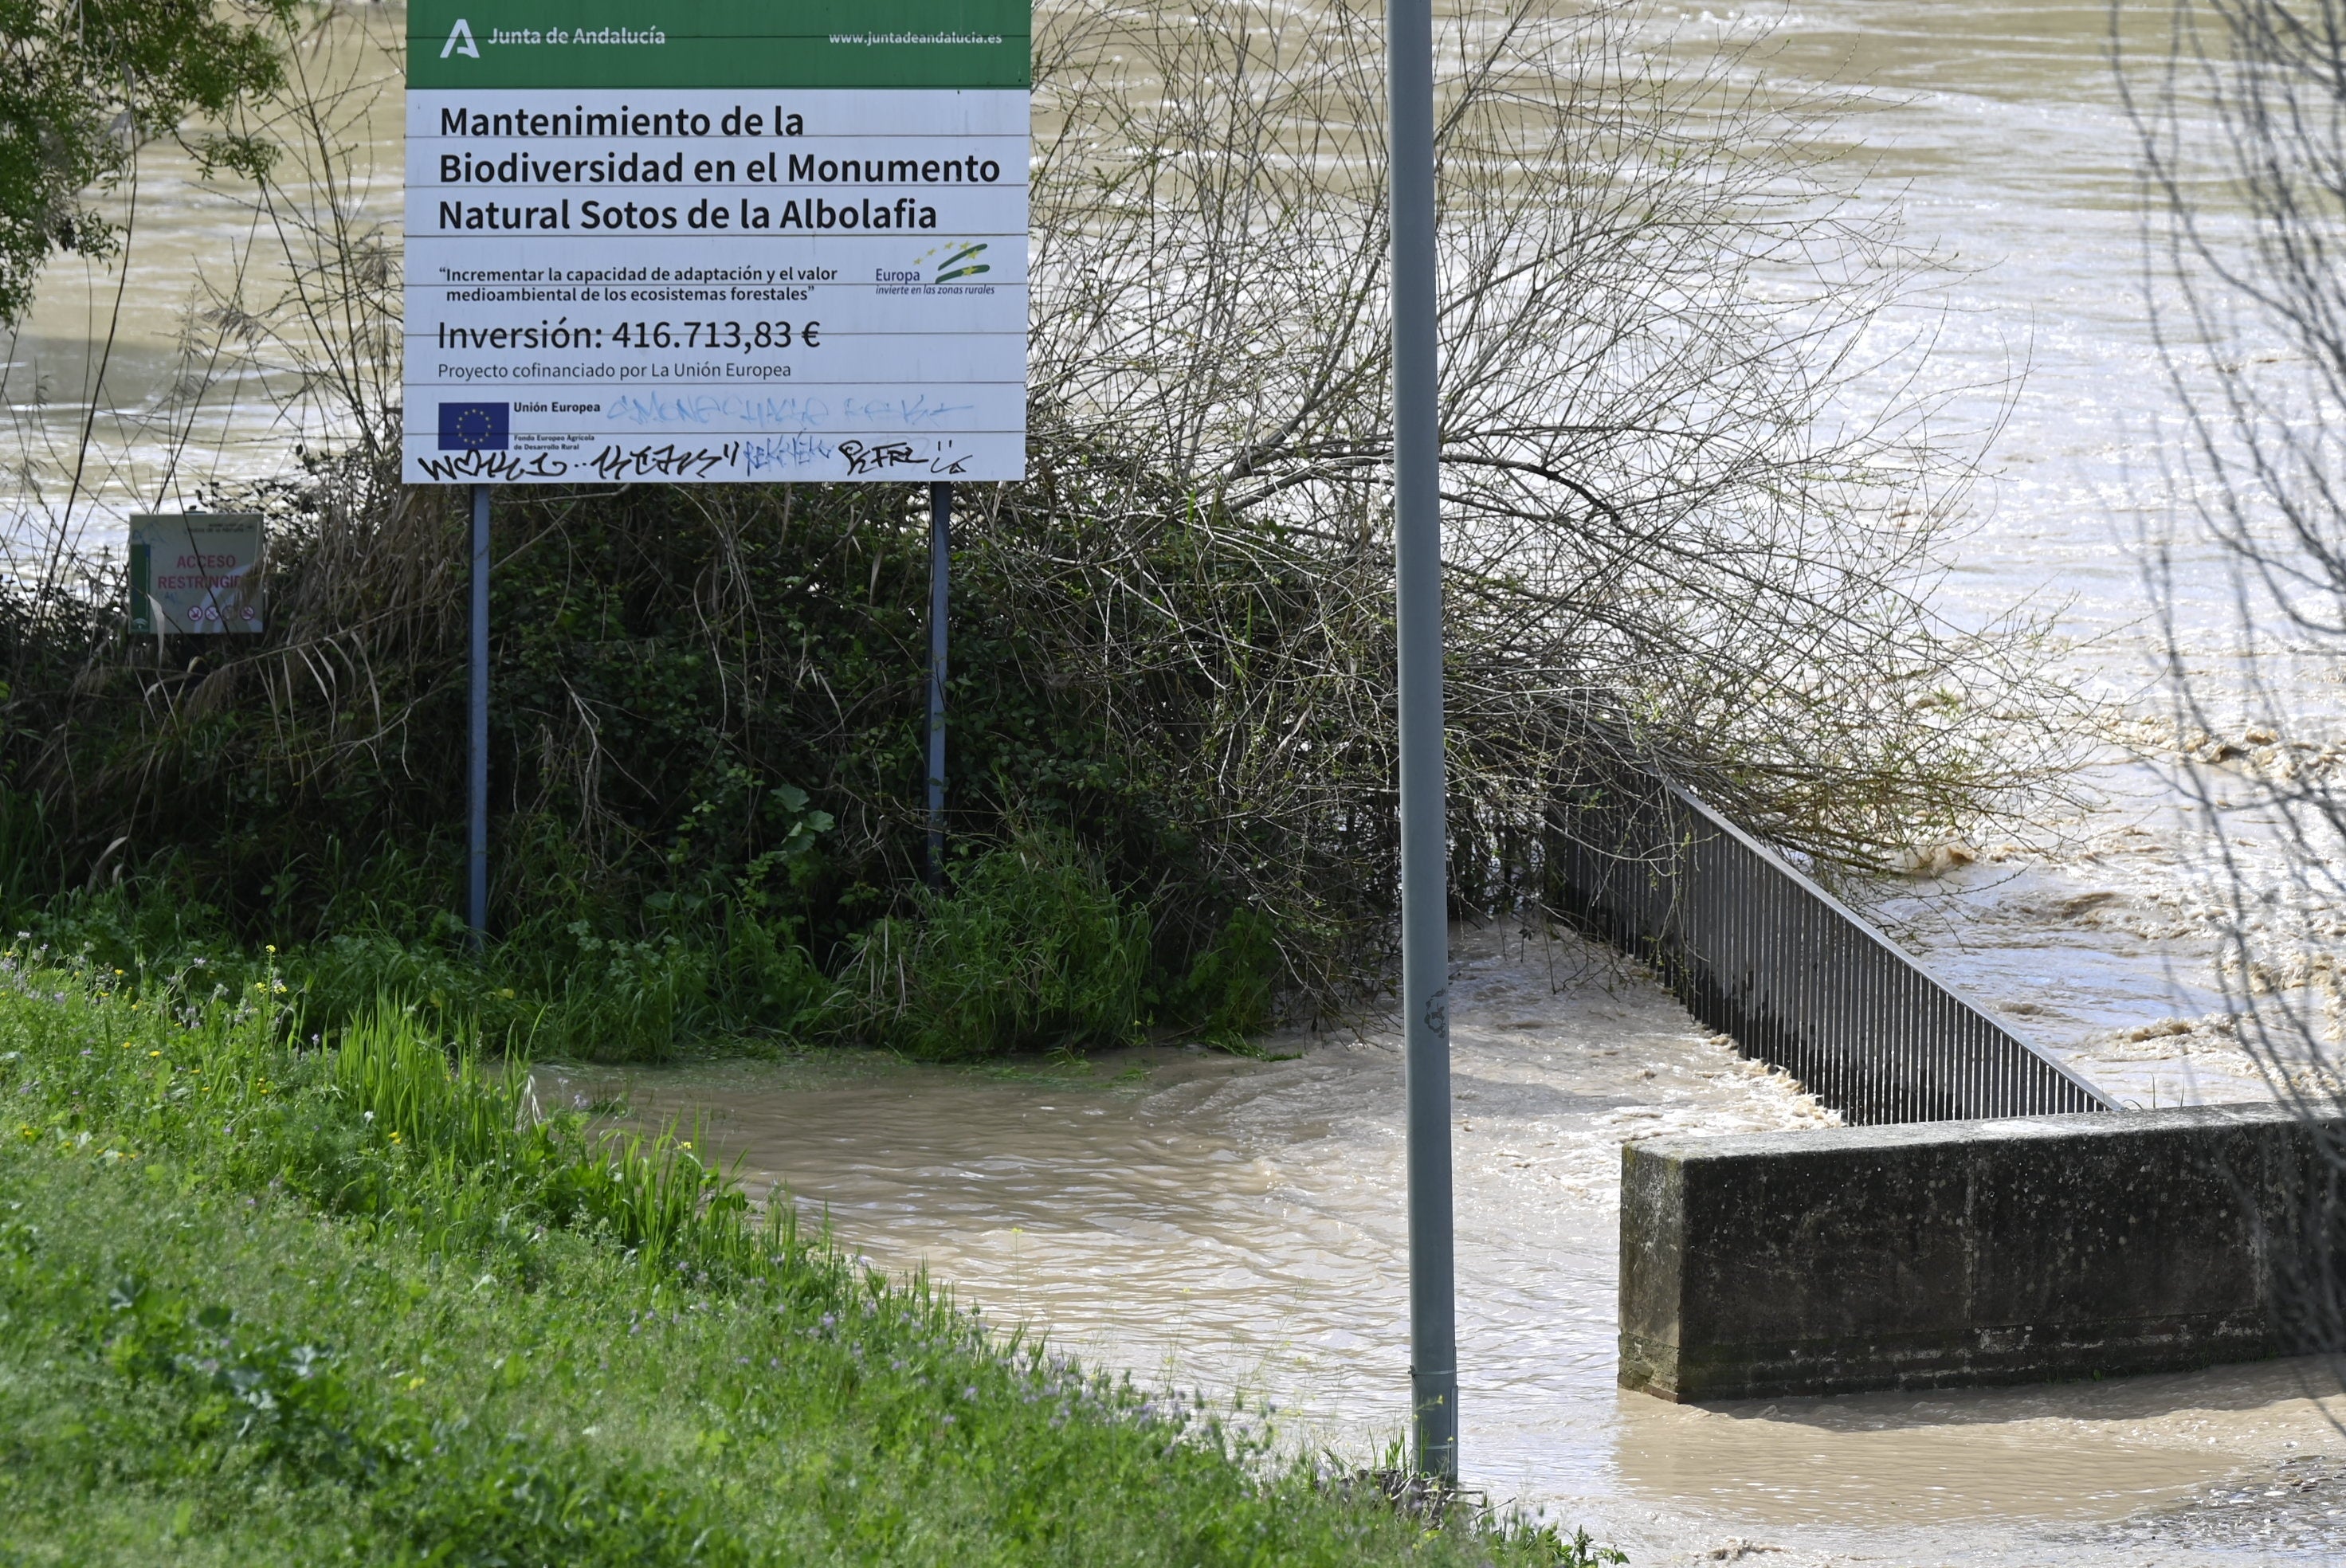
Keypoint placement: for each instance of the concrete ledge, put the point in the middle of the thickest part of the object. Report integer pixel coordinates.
(1947, 1253)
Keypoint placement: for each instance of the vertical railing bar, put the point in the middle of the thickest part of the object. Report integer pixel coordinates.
(2004, 1089)
(1788, 1046)
(1983, 1066)
(1804, 981)
(1908, 1022)
(1925, 1020)
(1732, 943)
(1953, 1064)
(1946, 1049)
(1755, 943)
(1842, 978)
(1946, 1056)
(1892, 1047)
(1991, 1057)
(1994, 1095)
(1898, 1052)
(1762, 937)
(1906, 1043)
(1819, 981)
(1812, 938)
(1908, 1046)
(1739, 967)
(1799, 1059)
(1926, 1050)
(1865, 973)
(1955, 1061)
(1764, 932)
(1865, 1056)
(1700, 903)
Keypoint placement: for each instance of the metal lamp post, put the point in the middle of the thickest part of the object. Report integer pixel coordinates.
(1424, 873)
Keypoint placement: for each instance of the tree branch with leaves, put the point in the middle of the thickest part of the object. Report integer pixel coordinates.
(84, 84)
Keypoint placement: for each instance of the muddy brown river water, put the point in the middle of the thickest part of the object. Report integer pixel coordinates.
(1234, 1226)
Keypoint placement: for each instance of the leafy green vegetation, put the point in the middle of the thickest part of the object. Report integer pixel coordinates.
(86, 83)
(706, 751)
(1029, 949)
(1032, 949)
(354, 1301)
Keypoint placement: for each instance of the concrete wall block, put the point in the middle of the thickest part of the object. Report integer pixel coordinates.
(1968, 1252)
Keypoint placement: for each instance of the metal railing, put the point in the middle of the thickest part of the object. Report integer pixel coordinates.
(1758, 952)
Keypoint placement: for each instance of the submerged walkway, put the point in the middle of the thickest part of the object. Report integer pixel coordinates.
(1235, 1225)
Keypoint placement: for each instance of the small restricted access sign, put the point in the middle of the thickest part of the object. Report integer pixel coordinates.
(722, 240)
(195, 574)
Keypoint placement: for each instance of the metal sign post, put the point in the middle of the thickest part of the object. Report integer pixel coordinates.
(940, 582)
(476, 760)
(1425, 870)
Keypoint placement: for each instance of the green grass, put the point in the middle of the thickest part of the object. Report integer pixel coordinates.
(352, 1302)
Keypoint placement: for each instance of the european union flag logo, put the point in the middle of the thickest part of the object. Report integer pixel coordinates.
(475, 426)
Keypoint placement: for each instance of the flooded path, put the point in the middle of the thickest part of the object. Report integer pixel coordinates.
(1236, 1226)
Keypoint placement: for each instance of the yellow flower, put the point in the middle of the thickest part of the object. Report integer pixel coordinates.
(154, 1053)
(271, 948)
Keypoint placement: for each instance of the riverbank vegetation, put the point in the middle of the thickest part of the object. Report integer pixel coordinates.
(1685, 532)
(87, 86)
(366, 1303)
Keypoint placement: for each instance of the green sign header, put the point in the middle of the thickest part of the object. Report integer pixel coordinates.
(462, 44)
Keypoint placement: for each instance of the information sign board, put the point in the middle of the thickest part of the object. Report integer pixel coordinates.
(195, 572)
(715, 240)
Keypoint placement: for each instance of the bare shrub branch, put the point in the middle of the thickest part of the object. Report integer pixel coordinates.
(2242, 122)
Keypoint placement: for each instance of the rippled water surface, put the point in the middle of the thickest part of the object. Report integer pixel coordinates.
(1236, 1226)
(1996, 129)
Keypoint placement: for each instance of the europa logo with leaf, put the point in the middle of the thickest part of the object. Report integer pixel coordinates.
(962, 263)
